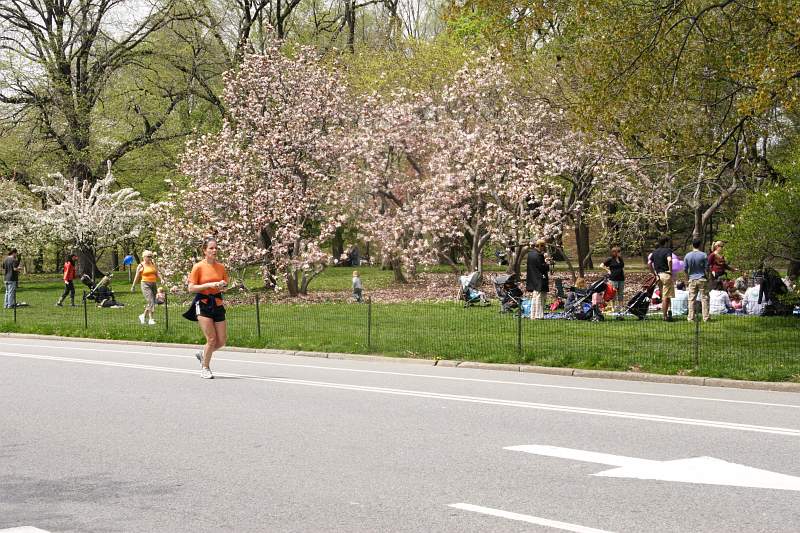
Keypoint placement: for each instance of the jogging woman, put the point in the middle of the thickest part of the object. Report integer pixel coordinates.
(208, 280)
(69, 276)
(148, 272)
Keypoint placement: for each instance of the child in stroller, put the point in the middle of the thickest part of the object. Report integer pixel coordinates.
(470, 294)
(509, 293)
(100, 292)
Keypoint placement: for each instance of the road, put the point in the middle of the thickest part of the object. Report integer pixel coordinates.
(106, 437)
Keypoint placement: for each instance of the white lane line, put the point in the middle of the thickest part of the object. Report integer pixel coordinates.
(23, 529)
(427, 376)
(440, 396)
(555, 524)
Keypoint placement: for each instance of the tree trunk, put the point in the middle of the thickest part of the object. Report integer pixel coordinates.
(350, 18)
(87, 263)
(114, 259)
(291, 283)
(397, 268)
(38, 262)
(516, 254)
(584, 250)
(337, 244)
(794, 270)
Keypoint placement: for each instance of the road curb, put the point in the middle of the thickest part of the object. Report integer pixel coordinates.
(777, 386)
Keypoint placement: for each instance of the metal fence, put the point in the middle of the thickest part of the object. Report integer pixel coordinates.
(731, 346)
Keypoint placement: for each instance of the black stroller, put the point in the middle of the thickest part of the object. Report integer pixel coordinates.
(640, 303)
(508, 291)
(100, 292)
(581, 307)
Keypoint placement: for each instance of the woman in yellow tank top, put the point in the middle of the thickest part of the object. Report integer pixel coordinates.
(148, 273)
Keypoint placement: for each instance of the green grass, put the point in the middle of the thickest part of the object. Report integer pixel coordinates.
(734, 347)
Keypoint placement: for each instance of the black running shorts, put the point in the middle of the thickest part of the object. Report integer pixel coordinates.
(216, 313)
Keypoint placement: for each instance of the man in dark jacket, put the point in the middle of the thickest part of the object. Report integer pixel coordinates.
(538, 281)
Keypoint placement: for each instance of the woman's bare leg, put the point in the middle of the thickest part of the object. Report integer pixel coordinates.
(210, 332)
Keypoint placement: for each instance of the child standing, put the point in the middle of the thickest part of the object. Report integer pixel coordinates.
(358, 288)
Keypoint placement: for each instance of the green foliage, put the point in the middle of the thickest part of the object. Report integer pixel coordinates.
(416, 66)
(767, 228)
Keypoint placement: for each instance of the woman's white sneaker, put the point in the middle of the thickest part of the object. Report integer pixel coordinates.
(141, 319)
(205, 373)
(151, 322)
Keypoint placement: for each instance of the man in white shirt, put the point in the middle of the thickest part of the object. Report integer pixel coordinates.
(750, 301)
(719, 301)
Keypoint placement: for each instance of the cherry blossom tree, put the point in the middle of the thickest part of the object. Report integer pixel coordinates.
(262, 183)
(384, 176)
(87, 216)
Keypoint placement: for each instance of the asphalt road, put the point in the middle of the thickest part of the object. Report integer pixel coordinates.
(107, 438)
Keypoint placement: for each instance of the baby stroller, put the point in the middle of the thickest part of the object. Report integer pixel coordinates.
(507, 290)
(470, 293)
(581, 308)
(100, 292)
(640, 303)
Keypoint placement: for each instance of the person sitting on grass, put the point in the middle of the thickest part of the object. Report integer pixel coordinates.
(751, 304)
(736, 300)
(720, 302)
(680, 303)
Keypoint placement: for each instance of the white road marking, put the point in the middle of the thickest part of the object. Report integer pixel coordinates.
(564, 526)
(411, 374)
(789, 432)
(23, 529)
(701, 470)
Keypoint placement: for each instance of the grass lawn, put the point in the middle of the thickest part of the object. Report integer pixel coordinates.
(736, 347)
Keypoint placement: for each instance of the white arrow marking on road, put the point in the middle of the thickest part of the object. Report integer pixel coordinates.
(704, 470)
(565, 526)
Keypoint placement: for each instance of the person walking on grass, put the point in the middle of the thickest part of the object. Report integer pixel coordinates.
(615, 266)
(696, 266)
(538, 278)
(208, 280)
(12, 269)
(69, 277)
(358, 287)
(148, 273)
(661, 265)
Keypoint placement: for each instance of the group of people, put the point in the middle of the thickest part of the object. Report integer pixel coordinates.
(706, 281)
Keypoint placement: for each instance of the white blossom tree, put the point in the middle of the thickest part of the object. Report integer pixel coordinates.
(88, 217)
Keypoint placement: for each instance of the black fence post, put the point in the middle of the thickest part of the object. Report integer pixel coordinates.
(15, 312)
(369, 323)
(166, 311)
(696, 335)
(519, 332)
(258, 317)
(85, 312)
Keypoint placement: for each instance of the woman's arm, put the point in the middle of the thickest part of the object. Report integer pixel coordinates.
(205, 286)
(137, 276)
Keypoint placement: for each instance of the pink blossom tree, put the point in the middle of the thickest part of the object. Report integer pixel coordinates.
(261, 184)
(384, 176)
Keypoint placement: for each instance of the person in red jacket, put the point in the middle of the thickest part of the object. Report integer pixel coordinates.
(69, 277)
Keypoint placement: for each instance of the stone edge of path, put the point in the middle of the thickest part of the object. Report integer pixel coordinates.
(779, 386)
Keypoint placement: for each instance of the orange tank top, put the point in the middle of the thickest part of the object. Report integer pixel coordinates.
(149, 273)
